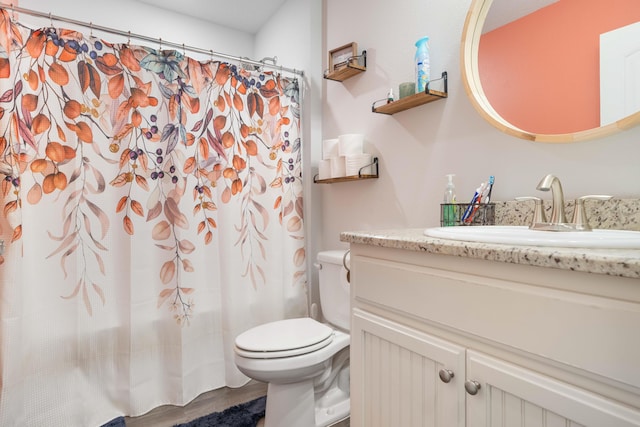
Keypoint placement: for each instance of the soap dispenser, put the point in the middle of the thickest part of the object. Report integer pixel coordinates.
(448, 203)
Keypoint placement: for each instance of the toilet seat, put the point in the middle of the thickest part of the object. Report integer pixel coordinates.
(283, 338)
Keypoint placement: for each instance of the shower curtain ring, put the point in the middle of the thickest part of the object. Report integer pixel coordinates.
(184, 51)
(160, 40)
(129, 38)
(50, 19)
(90, 29)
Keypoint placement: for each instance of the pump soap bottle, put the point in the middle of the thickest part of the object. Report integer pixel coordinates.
(448, 207)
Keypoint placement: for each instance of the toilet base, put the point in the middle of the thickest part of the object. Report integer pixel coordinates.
(290, 405)
(326, 416)
(295, 405)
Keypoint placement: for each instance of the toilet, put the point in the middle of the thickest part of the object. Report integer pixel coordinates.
(304, 362)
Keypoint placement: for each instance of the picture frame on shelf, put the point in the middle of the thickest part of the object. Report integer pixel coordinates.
(343, 56)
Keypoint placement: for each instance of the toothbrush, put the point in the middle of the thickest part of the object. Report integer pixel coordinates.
(475, 204)
(467, 211)
(474, 200)
(492, 179)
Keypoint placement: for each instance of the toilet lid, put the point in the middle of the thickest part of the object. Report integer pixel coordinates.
(284, 338)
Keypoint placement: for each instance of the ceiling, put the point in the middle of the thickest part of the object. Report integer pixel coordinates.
(244, 15)
(250, 15)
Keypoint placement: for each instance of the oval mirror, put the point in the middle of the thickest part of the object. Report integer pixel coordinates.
(505, 78)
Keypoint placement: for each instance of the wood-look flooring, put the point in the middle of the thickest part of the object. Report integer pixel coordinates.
(211, 401)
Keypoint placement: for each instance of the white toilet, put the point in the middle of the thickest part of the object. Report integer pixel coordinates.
(304, 362)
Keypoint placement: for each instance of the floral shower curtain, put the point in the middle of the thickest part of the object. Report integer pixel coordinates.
(152, 211)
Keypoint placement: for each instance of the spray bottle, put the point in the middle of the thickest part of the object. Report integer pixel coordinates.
(423, 67)
(449, 200)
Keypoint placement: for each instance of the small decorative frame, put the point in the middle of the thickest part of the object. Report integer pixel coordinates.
(342, 56)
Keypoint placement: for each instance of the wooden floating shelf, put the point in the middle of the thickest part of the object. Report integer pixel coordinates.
(410, 101)
(345, 62)
(344, 73)
(414, 100)
(350, 178)
(344, 179)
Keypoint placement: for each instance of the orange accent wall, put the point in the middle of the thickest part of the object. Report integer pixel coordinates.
(561, 40)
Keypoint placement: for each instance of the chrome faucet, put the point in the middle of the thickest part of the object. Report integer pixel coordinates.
(551, 182)
(558, 221)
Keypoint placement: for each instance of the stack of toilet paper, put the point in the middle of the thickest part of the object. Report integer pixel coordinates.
(344, 156)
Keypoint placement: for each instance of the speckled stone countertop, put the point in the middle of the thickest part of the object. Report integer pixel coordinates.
(614, 262)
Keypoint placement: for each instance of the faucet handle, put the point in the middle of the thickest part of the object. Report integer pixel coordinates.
(580, 219)
(538, 209)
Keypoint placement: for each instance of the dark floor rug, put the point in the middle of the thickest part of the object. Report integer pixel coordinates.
(243, 415)
(117, 422)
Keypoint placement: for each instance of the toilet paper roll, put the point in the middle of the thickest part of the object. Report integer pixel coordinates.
(330, 148)
(338, 167)
(324, 169)
(361, 163)
(352, 143)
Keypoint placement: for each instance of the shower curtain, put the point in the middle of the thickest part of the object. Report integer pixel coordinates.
(152, 210)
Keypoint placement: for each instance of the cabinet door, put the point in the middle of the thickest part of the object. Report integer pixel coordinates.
(513, 396)
(395, 376)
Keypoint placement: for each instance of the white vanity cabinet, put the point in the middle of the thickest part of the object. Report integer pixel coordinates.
(446, 341)
(396, 372)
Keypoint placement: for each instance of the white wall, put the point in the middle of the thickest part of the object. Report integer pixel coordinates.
(418, 147)
(140, 18)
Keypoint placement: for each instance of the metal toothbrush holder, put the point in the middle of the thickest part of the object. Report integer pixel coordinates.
(452, 214)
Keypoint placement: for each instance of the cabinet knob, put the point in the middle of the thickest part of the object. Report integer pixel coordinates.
(472, 387)
(446, 375)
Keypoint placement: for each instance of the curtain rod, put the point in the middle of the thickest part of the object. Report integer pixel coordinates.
(129, 34)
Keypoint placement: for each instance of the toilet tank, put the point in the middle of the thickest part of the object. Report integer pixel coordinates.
(334, 288)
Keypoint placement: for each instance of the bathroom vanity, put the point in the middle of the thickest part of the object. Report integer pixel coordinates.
(448, 333)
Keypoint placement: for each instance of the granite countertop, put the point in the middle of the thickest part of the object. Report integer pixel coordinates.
(613, 262)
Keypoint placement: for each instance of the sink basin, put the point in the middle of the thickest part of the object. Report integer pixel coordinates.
(520, 235)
